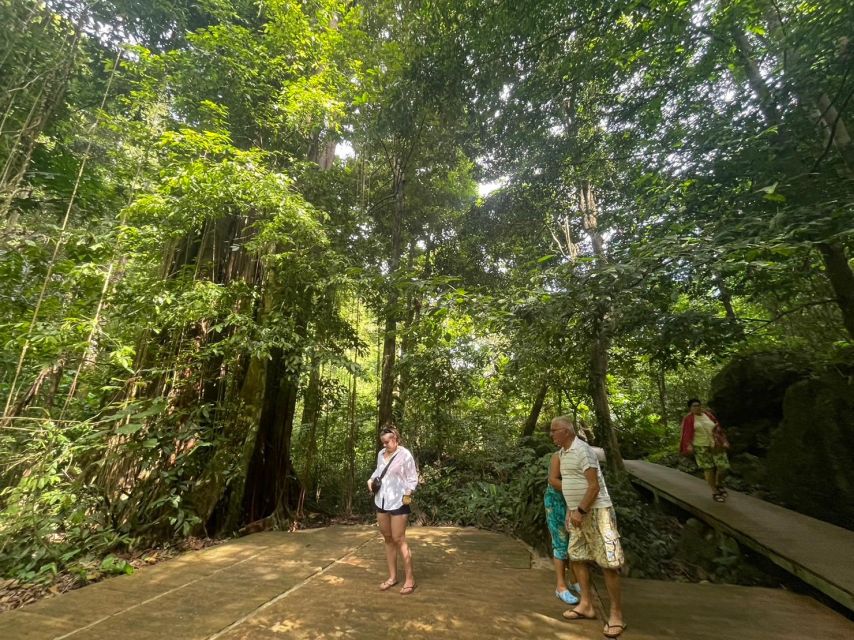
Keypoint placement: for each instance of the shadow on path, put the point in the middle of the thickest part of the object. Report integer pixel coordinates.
(323, 583)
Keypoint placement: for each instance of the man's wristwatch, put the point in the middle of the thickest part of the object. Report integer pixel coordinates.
(580, 510)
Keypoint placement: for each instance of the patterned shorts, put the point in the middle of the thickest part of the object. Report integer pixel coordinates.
(706, 458)
(597, 540)
(556, 517)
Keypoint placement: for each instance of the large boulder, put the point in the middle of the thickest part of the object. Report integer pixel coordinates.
(747, 395)
(810, 460)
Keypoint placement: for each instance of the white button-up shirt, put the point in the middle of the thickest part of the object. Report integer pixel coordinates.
(401, 478)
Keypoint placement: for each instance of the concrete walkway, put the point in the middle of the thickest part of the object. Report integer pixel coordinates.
(323, 584)
(817, 552)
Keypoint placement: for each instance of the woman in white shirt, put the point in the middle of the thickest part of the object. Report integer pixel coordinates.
(398, 478)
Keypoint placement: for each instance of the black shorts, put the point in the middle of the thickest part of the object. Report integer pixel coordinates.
(400, 511)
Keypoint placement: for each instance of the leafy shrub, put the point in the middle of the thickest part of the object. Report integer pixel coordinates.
(649, 537)
(49, 521)
(501, 491)
(117, 566)
(72, 493)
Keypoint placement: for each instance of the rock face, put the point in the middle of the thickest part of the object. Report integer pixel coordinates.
(810, 459)
(791, 427)
(747, 396)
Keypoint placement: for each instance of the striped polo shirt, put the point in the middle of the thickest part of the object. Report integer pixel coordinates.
(573, 463)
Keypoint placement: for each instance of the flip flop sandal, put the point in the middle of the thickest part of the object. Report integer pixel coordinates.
(719, 497)
(576, 615)
(566, 596)
(621, 627)
(388, 584)
(407, 590)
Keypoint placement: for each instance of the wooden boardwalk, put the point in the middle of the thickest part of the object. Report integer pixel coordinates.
(322, 584)
(819, 553)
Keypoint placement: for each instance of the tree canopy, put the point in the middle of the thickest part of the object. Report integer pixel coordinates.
(236, 238)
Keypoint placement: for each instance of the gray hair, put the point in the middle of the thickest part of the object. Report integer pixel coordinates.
(565, 421)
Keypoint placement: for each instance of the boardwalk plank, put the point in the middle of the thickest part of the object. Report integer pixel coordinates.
(817, 552)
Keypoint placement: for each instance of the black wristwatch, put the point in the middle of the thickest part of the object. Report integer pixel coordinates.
(580, 510)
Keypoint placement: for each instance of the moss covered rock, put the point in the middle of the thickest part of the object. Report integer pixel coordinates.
(747, 395)
(810, 460)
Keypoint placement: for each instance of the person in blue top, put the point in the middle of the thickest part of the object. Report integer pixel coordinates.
(556, 519)
(392, 484)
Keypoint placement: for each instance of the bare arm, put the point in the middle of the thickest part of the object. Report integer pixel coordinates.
(574, 517)
(592, 477)
(554, 472)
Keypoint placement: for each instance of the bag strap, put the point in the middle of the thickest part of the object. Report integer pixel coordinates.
(388, 464)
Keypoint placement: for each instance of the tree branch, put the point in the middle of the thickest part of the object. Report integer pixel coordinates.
(832, 135)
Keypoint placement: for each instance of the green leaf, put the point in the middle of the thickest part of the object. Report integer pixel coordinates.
(129, 429)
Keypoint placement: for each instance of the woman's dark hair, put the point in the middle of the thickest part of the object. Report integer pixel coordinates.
(692, 401)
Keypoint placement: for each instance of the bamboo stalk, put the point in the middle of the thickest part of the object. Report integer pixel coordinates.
(59, 242)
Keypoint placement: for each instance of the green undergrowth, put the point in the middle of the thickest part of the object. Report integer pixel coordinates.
(499, 490)
(503, 491)
(56, 518)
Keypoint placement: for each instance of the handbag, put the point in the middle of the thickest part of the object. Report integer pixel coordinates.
(721, 443)
(377, 482)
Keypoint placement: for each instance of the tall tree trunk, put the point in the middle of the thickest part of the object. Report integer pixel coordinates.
(600, 340)
(841, 279)
(352, 431)
(599, 393)
(228, 515)
(661, 385)
(310, 416)
(269, 481)
(270, 394)
(536, 408)
(837, 270)
(385, 413)
(49, 97)
(407, 342)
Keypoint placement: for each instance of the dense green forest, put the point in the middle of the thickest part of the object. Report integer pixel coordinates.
(237, 236)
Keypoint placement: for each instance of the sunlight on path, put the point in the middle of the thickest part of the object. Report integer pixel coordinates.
(323, 584)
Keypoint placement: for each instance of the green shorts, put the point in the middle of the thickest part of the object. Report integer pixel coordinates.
(707, 458)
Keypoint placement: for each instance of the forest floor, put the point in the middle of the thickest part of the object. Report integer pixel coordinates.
(322, 583)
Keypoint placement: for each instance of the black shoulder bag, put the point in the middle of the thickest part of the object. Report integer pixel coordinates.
(377, 482)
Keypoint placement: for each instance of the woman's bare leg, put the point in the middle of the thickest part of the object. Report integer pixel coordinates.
(560, 573)
(398, 534)
(384, 521)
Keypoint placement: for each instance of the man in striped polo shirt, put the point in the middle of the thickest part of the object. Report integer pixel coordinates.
(591, 522)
